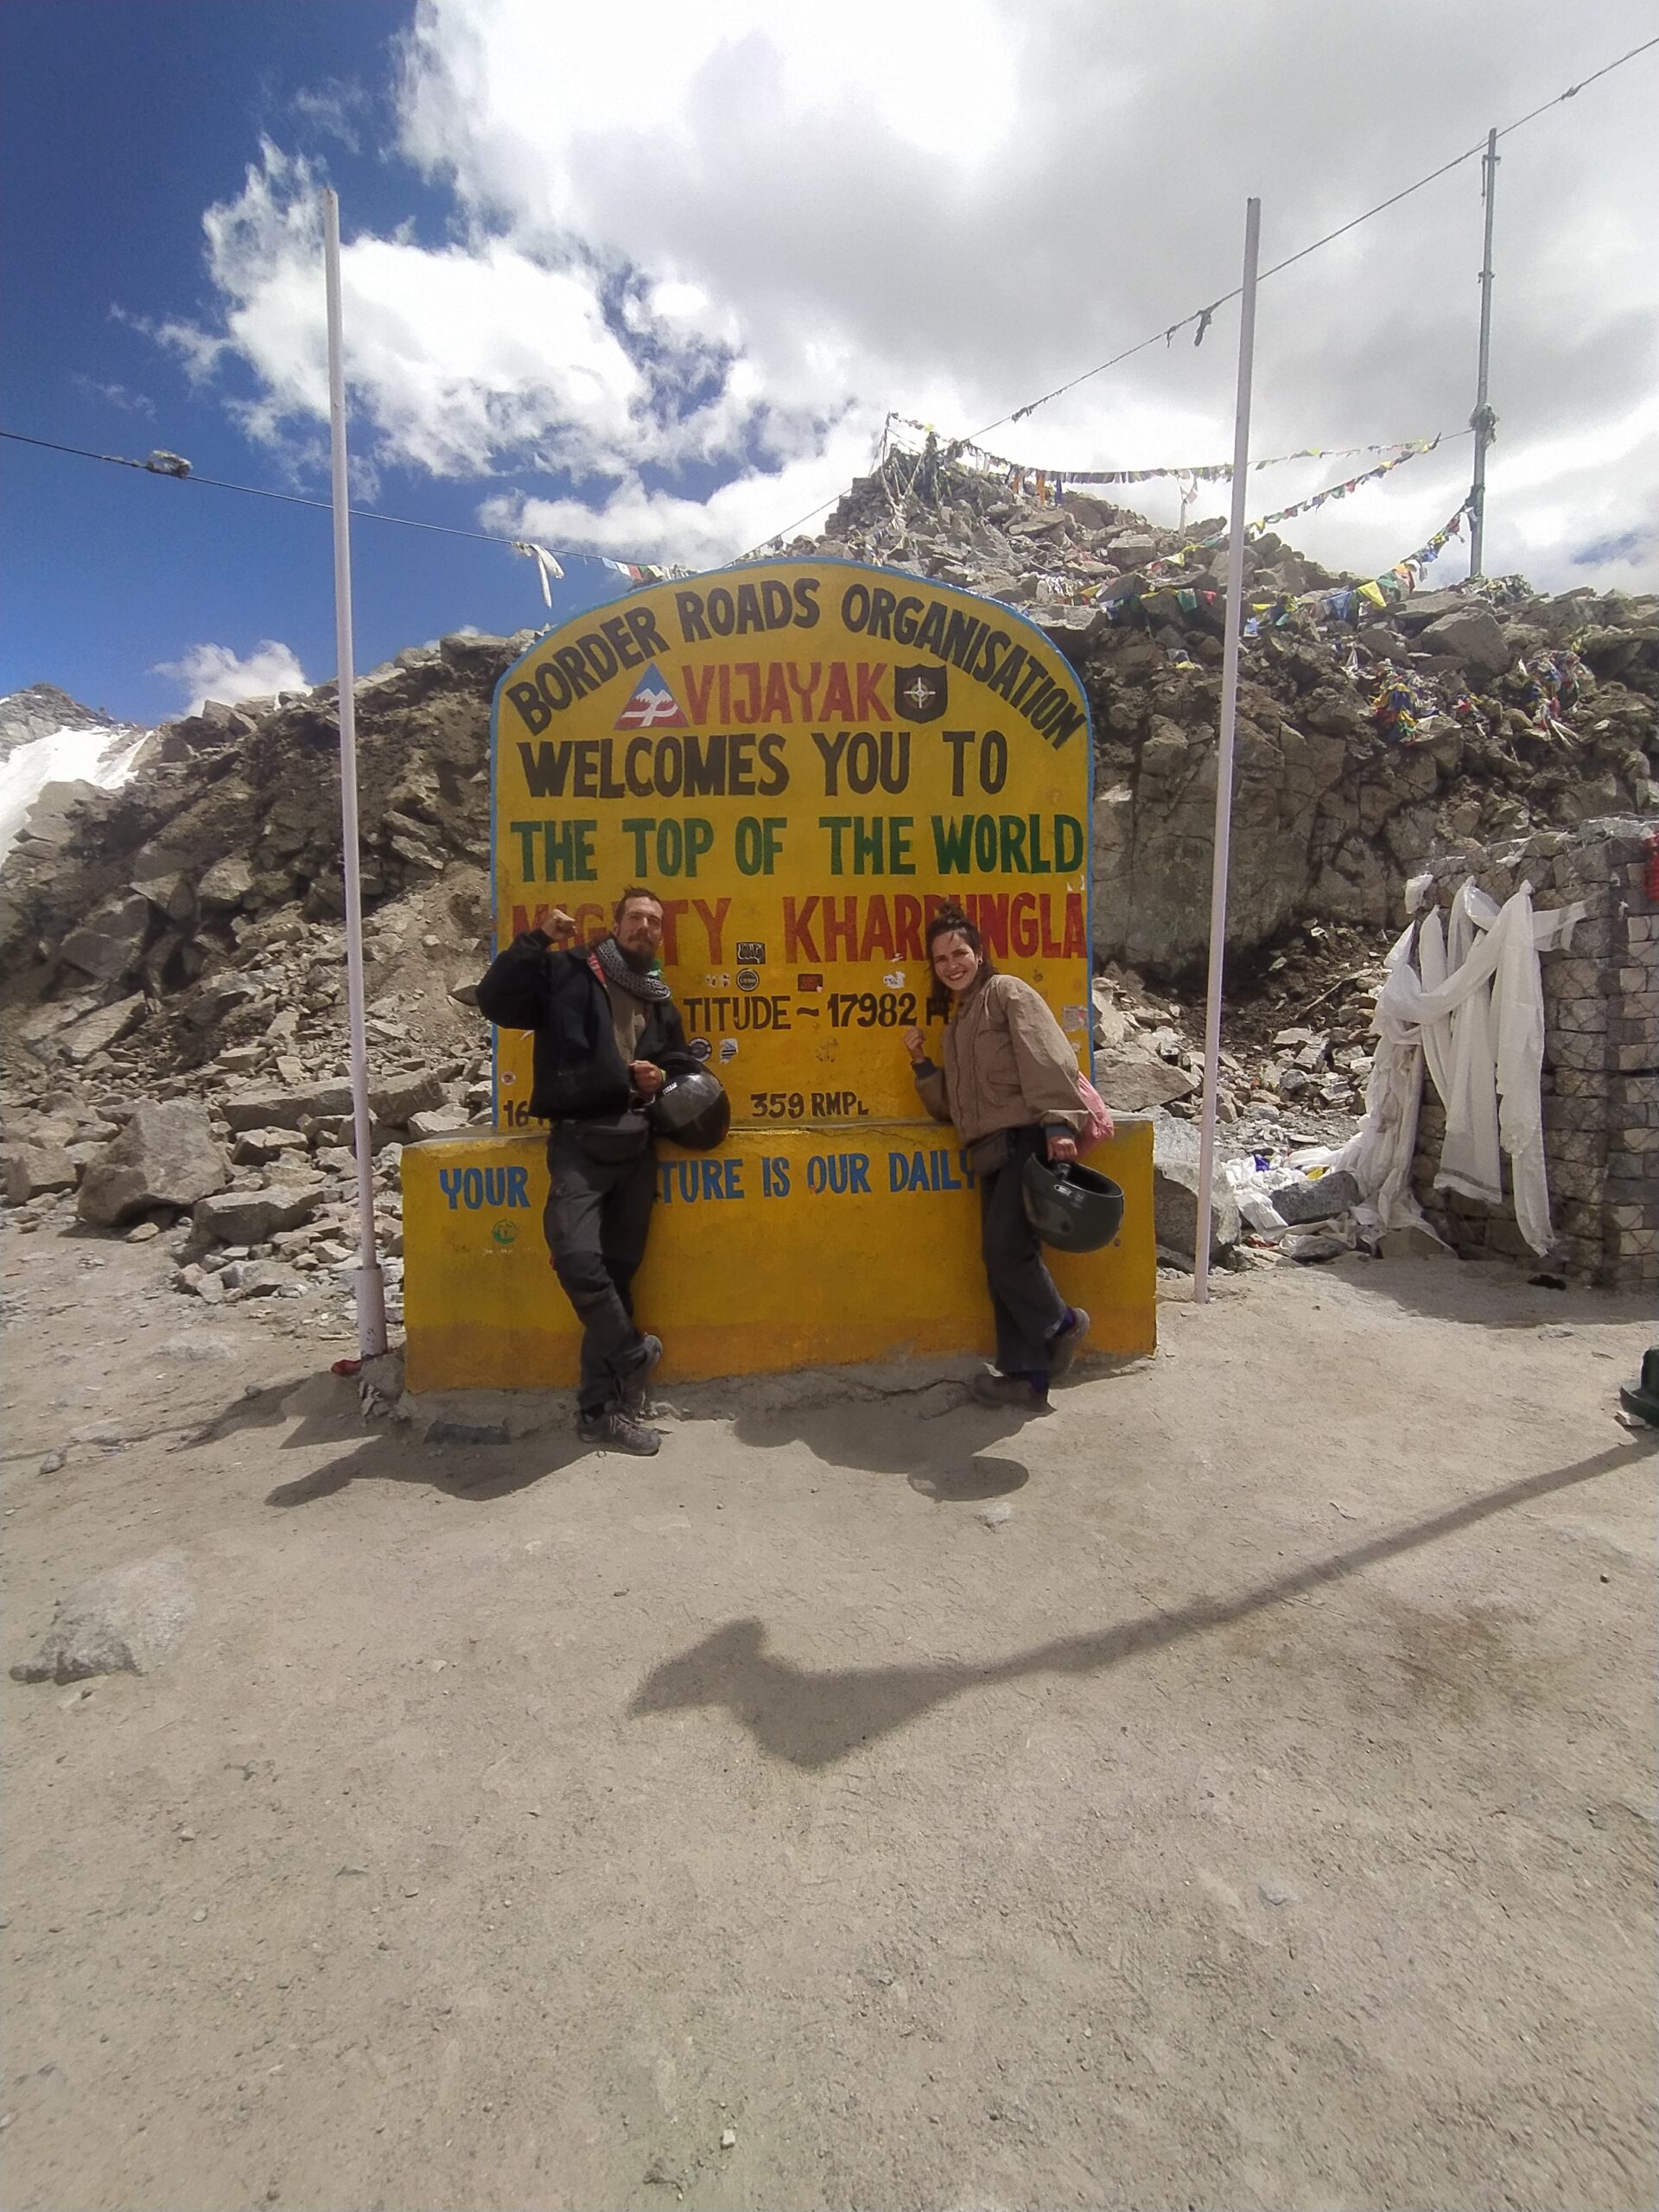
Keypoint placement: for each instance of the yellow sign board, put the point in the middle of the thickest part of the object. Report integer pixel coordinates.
(804, 761)
(786, 1249)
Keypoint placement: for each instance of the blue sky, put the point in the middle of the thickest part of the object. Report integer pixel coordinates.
(646, 285)
(121, 123)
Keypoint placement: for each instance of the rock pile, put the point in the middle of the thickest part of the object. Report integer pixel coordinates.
(221, 1112)
(1367, 740)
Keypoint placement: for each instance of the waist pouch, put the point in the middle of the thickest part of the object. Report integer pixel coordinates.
(610, 1138)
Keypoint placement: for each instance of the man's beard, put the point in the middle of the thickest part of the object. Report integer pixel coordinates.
(641, 962)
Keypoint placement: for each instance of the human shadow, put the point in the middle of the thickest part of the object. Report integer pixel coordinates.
(316, 1410)
(475, 1474)
(937, 1447)
(812, 1719)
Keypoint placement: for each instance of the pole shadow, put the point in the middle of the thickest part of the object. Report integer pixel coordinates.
(814, 1719)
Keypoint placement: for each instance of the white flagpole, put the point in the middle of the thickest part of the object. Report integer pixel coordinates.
(370, 1283)
(1224, 759)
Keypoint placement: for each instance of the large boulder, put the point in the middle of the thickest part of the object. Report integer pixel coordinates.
(27, 1170)
(1175, 1195)
(86, 1038)
(167, 1155)
(404, 1095)
(227, 883)
(253, 1216)
(112, 940)
(286, 1109)
(126, 1621)
(1135, 1081)
(1474, 637)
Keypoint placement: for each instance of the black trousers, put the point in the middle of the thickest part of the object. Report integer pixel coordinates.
(596, 1219)
(1027, 1307)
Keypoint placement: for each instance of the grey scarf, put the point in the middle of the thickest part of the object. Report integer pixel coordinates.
(614, 962)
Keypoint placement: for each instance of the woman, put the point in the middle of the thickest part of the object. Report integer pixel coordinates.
(1009, 1083)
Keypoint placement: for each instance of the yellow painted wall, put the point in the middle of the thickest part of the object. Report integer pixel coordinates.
(744, 1275)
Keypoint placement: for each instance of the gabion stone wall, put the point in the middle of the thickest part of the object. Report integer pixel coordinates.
(1601, 1056)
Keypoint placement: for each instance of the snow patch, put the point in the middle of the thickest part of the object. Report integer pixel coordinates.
(104, 756)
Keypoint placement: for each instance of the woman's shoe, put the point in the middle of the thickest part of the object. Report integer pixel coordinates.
(990, 1389)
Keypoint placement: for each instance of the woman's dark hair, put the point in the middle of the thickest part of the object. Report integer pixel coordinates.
(951, 921)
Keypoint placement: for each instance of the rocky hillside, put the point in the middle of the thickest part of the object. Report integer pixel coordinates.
(178, 939)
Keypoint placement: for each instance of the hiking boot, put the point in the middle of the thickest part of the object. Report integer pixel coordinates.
(635, 1400)
(619, 1432)
(989, 1389)
(1066, 1342)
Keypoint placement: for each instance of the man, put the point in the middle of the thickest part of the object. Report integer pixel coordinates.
(607, 1036)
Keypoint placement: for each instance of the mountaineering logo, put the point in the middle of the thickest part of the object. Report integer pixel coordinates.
(920, 693)
(654, 706)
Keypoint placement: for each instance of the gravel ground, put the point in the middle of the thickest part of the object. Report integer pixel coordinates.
(1234, 1789)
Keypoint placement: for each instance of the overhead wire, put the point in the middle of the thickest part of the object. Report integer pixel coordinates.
(1203, 316)
(258, 491)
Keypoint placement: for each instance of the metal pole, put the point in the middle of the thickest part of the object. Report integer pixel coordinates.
(1224, 756)
(370, 1286)
(1483, 422)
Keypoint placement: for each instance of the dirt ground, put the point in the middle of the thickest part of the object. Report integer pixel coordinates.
(1234, 1789)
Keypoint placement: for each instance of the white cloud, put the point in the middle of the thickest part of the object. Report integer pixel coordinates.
(647, 525)
(693, 258)
(209, 671)
(335, 110)
(458, 357)
(114, 395)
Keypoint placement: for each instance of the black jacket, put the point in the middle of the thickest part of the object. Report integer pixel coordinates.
(579, 1073)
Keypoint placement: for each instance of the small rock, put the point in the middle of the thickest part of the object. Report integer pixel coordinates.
(52, 1462)
(728, 2137)
(1322, 1198)
(997, 1517)
(126, 1621)
(1314, 1245)
(1274, 1888)
(255, 1278)
(441, 1121)
(257, 1147)
(144, 1232)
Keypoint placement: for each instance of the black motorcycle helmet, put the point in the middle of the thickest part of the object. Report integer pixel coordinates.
(692, 1109)
(1072, 1207)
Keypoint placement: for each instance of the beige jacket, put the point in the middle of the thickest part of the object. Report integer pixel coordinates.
(1007, 1065)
